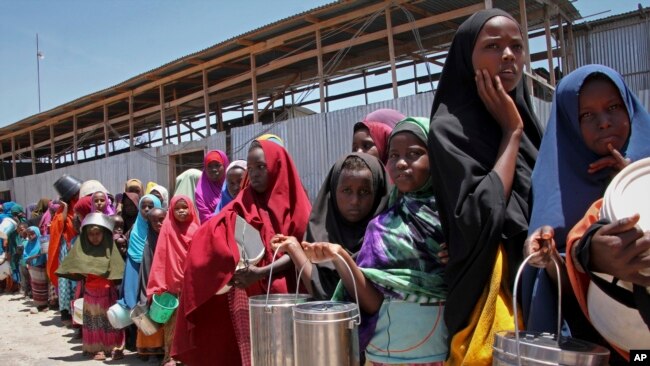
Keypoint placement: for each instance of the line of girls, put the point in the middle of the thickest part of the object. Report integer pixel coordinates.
(102, 249)
(439, 218)
(441, 221)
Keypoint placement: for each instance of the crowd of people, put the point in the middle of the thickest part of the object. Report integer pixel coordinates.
(432, 216)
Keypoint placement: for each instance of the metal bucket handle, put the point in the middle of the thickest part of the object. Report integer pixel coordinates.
(268, 287)
(357, 321)
(559, 301)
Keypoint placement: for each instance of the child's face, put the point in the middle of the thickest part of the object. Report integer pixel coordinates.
(257, 170)
(22, 231)
(215, 171)
(603, 116)
(408, 162)
(31, 235)
(158, 195)
(95, 234)
(118, 227)
(134, 189)
(354, 194)
(500, 50)
(145, 206)
(363, 142)
(156, 218)
(99, 201)
(233, 179)
(181, 211)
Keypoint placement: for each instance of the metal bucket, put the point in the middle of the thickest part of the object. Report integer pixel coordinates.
(326, 333)
(271, 328)
(543, 349)
(535, 348)
(271, 325)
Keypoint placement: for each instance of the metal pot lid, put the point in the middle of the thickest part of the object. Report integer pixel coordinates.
(325, 310)
(278, 299)
(543, 347)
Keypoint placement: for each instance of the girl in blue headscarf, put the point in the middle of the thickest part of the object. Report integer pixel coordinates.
(137, 240)
(597, 126)
(35, 262)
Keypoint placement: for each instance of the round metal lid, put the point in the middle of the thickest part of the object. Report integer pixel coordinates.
(325, 310)
(278, 299)
(543, 347)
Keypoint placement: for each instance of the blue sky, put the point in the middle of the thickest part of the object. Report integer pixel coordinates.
(92, 45)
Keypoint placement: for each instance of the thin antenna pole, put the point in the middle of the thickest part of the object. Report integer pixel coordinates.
(38, 73)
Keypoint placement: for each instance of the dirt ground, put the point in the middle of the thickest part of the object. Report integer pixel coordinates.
(41, 339)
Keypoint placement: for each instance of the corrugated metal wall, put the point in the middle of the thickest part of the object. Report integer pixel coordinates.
(623, 46)
(315, 142)
(150, 164)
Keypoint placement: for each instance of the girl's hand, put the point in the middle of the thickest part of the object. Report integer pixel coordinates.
(498, 102)
(64, 204)
(621, 249)
(542, 243)
(320, 252)
(615, 160)
(245, 277)
(286, 243)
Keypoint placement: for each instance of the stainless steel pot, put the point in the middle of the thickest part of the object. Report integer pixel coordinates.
(271, 328)
(543, 349)
(271, 325)
(534, 348)
(326, 333)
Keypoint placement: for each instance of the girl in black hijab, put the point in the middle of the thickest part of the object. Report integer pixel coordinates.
(483, 144)
(338, 217)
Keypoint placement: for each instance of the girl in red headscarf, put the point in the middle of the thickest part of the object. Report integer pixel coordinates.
(371, 135)
(168, 265)
(274, 202)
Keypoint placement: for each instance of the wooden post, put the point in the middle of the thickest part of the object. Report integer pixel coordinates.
(219, 117)
(488, 4)
(549, 47)
(523, 20)
(162, 115)
(74, 138)
(178, 119)
(206, 101)
(391, 51)
(319, 58)
(572, 45)
(131, 132)
(254, 88)
(365, 86)
(560, 30)
(52, 151)
(415, 75)
(13, 157)
(106, 152)
(31, 145)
